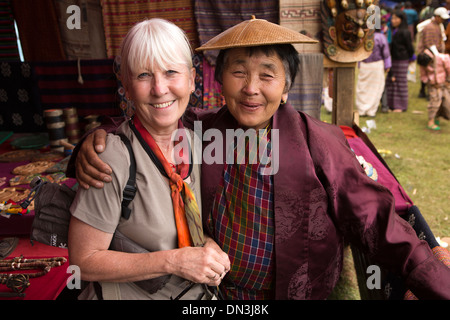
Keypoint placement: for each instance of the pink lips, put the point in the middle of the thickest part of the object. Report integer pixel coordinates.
(250, 106)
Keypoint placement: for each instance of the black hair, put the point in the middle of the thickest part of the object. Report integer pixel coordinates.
(402, 16)
(287, 53)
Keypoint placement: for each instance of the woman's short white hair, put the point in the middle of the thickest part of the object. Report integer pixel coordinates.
(150, 43)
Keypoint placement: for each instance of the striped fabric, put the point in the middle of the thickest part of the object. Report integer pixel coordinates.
(120, 15)
(213, 17)
(306, 93)
(8, 39)
(59, 87)
(397, 92)
(244, 228)
(304, 17)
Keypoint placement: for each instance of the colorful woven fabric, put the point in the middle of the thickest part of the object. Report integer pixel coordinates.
(212, 90)
(304, 17)
(213, 17)
(197, 95)
(244, 228)
(59, 86)
(120, 15)
(442, 254)
(8, 38)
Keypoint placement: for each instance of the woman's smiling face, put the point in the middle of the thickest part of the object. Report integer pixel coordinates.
(161, 96)
(253, 86)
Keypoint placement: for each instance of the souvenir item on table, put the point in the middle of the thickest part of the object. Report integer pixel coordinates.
(48, 156)
(56, 128)
(2, 181)
(33, 167)
(36, 141)
(92, 122)
(21, 179)
(19, 282)
(56, 177)
(18, 155)
(60, 166)
(73, 132)
(7, 245)
(348, 28)
(15, 194)
(4, 135)
(10, 207)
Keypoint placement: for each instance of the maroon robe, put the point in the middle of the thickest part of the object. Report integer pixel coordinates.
(321, 196)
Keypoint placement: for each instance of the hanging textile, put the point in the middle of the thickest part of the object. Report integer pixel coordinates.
(306, 93)
(197, 95)
(213, 17)
(8, 38)
(87, 41)
(303, 16)
(212, 90)
(120, 15)
(20, 110)
(38, 30)
(59, 86)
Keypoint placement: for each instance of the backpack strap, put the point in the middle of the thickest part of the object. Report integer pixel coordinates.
(130, 189)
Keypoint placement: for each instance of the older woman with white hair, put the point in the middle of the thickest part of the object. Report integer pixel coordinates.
(173, 256)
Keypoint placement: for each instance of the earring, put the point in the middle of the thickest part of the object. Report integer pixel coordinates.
(282, 101)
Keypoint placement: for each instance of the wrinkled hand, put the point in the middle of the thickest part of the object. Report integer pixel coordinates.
(90, 169)
(200, 264)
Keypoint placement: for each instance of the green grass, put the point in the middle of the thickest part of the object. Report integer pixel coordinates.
(420, 160)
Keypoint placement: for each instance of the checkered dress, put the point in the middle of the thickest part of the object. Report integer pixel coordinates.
(244, 228)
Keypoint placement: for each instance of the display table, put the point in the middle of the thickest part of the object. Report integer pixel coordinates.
(48, 286)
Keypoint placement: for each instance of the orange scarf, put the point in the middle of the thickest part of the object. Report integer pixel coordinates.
(186, 211)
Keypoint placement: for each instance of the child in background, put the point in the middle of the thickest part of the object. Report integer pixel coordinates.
(435, 72)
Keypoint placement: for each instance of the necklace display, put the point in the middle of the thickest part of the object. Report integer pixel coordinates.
(18, 282)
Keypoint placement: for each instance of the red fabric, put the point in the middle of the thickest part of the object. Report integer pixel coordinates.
(46, 287)
(348, 132)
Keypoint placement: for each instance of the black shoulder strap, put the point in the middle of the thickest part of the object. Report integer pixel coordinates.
(130, 189)
(153, 157)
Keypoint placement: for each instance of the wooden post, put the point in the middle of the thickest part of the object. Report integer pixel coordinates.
(343, 91)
